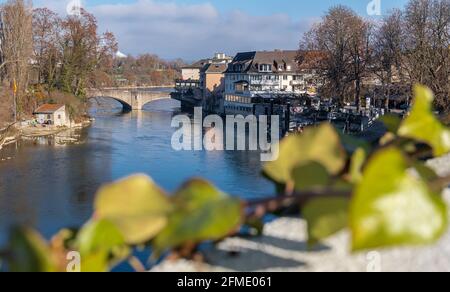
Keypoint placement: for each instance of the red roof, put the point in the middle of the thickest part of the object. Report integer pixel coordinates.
(48, 108)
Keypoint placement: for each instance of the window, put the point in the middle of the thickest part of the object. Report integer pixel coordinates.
(285, 77)
(59, 117)
(49, 117)
(265, 68)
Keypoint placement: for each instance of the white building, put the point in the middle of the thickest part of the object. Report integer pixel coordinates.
(263, 74)
(52, 114)
(192, 72)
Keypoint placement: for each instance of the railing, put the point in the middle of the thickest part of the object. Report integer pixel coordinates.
(187, 84)
(265, 82)
(298, 82)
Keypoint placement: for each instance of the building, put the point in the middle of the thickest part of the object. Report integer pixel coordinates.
(192, 72)
(212, 84)
(52, 114)
(256, 75)
(203, 81)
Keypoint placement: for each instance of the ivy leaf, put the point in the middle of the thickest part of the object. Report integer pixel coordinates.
(97, 241)
(325, 217)
(29, 252)
(136, 205)
(202, 213)
(356, 165)
(393, 207)
(311, 175)
(101, 234)
(320, 144)
(423, 126)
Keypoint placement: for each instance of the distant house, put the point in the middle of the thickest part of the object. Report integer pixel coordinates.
(52, 114)
(193, 71)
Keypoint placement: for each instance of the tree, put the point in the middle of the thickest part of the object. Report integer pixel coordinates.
(17, 49)
(343, 37)
(46, 39)
(79, 52)
(427, 41)
(360, 54)
(388, 51)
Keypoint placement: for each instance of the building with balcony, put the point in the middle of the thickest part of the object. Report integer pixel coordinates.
(254, 76)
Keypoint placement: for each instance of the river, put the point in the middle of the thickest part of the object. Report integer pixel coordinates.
(51, 186)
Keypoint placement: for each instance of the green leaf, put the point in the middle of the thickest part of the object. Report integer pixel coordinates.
(356, 165)
(325, 217)
(423, 126)
(99, 235)
(29, 252)
(98, 243)
(391, 206)
(311, 175)
(202, 213)
(136, 205)
(320, 144)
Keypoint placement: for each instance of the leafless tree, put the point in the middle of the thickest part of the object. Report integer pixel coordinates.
(427, 31)
(17, 47)
(46, 40)
(388, 50)
(343, 37)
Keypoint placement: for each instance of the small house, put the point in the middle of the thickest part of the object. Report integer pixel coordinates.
(52, 114)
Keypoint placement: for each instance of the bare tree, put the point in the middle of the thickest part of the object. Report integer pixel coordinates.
(17, 48)
(427, 27)
(388, 49)
(46, 40)
(343, 37)
(360, 54)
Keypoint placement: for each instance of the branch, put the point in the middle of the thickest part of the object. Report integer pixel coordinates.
(260, 207)
(7, 62)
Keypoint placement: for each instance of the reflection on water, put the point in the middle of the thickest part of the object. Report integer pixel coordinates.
(51, 185)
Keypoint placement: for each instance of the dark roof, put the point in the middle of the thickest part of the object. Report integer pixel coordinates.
(48, 108)
(214, 68)
(197, 65)
(249, 62)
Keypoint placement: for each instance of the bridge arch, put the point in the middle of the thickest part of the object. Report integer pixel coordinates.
(130, 99)
(126, 107)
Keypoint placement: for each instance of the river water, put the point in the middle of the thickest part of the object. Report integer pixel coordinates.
(51, 186)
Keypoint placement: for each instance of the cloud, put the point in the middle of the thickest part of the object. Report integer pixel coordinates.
(191, 31)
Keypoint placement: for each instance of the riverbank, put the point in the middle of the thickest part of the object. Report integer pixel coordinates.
(24, 130)
(283, 248)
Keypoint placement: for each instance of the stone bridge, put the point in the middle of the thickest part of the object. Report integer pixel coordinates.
(131, 99)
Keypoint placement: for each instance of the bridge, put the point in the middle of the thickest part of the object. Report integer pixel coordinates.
(131, 99)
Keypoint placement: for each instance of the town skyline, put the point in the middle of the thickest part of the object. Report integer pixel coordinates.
(206, 27)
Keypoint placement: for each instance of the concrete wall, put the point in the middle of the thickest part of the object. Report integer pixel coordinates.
(190, 73)
(214, 83)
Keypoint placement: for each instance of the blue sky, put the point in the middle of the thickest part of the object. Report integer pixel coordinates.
(295, 8)
(193, 29)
